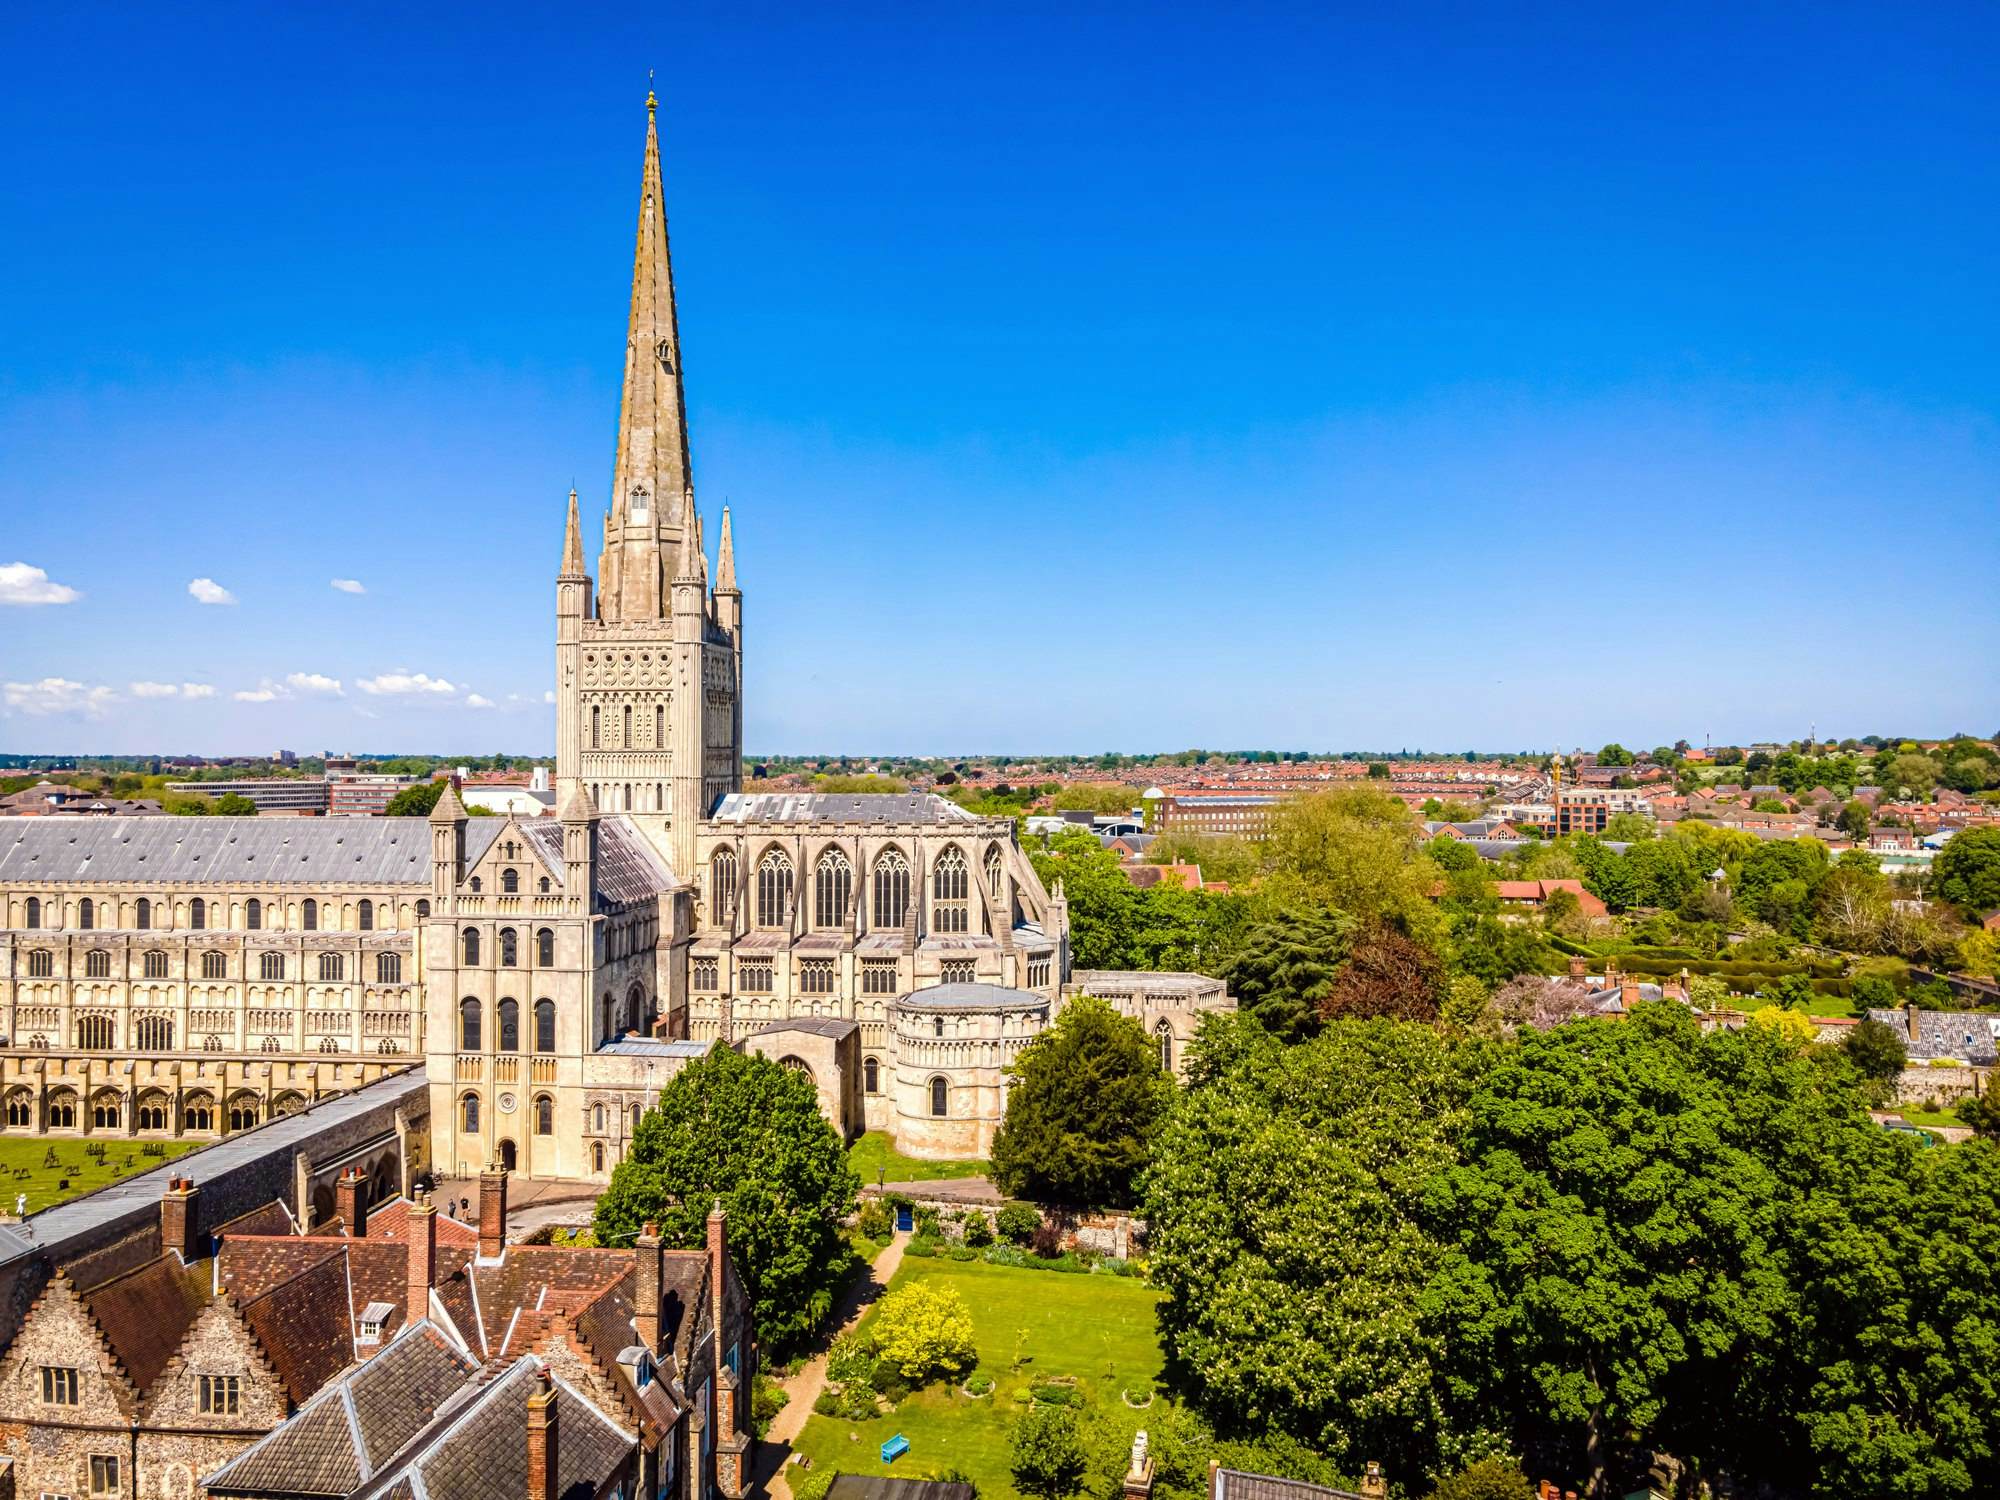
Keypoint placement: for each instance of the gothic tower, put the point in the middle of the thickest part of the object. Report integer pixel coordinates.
(649, 666)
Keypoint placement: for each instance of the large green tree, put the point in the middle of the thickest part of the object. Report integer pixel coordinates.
(1968, 870)
(738, 1129)
(1281, 972)
(1087, 1095)
(1285, 1215)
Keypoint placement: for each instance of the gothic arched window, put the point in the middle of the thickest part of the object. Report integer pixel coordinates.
(892, 890)
(271, 966)
(388, 968)
(545, 1026)
(722, 882)
(156, 965)
(949, 886)
(774, 890)
(833, 884)
(97, 964)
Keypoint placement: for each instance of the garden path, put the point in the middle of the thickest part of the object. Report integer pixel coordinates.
(772, 1463)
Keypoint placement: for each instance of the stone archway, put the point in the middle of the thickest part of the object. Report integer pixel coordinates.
(509, 1155)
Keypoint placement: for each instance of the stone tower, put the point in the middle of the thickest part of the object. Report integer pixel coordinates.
(649, 663)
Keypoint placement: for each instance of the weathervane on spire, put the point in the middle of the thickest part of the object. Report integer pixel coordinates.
(652, 102)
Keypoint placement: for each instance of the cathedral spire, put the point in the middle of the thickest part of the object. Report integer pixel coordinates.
(652, 417)
(572, 565)
(725, 558)
(691, 566)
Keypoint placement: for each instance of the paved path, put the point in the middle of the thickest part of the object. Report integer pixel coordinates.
(802, 1389)
(950, 1190)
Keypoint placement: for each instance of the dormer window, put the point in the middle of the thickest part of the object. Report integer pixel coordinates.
(374, 1318)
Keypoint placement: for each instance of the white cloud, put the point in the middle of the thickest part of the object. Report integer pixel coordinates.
(55, 695)
(208, 591)
(155, 690)
(265, 694)
(401, 682)
(349, 585)
(314, 685)
(24, 584)
(474, 700)
(197, 690)
(549, 696)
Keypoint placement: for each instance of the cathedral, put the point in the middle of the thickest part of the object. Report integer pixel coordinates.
(174, 977)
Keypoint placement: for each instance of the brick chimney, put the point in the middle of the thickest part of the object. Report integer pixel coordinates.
(1373, 1485)
(492, 1212)
(542, 1482)
(1910, 1013)
(1579, 966)
(646, 1288)
(350, 1202)
(718, 1267)
(177, 1218)
(1138, 1481)
(423, 1257)
(1628, 993)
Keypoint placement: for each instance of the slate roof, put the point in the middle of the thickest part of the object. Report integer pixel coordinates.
(970, 997)
(1970, 1035)
(481, 1454)
(343, 1435)
(300, 851)
(1232, 1484)
(827, 1026)
(885, 1487)
(628, 867)
(839, 807)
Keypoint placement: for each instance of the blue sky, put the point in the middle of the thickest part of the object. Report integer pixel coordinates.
(1081, 378)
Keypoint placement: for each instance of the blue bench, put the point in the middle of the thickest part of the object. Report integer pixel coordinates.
(895, 1448)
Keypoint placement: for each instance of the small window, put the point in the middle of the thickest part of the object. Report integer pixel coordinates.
(423, 908)
(220, 1395)
(309, 915)
(509, 952)
(510, 882)
(41, 963)
(469, 1113)
(86, 914)
(97, 964)
(58, 1385)
(156, 965)
(198, 914)
(364, 916)
(271, 966)
(474, 883)
(468, 1024)
(253, 914)
(34, 920)
(142, 915)
(331, 968)
(545, 1115)
(510, 1026)
(469, 942)
(388, 968)
(940, 1098)
(545, 946)
(871, 1075)
(103, 1474)
(597, 1156)
(545, 1026)
(597, 1118)
(542, 885)
(214, 965)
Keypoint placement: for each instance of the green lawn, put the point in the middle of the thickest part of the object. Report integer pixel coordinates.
(1097, 1328)
(1929, 1117)
(875, 1150)
(22, 1168)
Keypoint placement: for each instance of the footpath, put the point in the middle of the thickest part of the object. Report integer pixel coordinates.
(771, 1468)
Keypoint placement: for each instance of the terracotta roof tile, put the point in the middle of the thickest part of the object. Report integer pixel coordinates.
(147, 1312)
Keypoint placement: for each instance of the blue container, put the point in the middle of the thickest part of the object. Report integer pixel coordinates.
(895, 1448)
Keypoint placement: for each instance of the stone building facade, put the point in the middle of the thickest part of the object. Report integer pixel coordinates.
(170, 977)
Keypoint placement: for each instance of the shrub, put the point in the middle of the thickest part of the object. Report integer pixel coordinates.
(924, 1247)
(923, 1330)
(1006, 1255)
(962, 1252)
(809, 1484)
(979, 1385)
(1018, 1222)
(767, 1399)
(877, 1220)
(978, 1231)
(857, 1403)
(849, 1358)
(827, 1404)
(928, 1224)
(1056, 1395)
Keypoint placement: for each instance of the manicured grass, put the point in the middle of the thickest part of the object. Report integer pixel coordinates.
(1098, 1329)
(22, 1168)
(1930, 1118)
(875, 1150)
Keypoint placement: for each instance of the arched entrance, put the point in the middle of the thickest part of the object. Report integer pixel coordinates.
(507, 1155)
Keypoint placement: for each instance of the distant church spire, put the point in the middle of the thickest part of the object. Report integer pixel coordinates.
(725, 557)
(652, 416)
(572, 564)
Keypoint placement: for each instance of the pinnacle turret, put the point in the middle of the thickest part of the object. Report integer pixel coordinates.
(725, 558)
(572, 566)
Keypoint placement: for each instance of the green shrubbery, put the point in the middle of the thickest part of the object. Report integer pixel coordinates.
(1018, 1222)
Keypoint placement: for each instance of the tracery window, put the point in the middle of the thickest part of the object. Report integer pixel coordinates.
(271, 966)
(816, 976)
(774, 890)
(705, 974)
(950, 882)
(331, 968)
(214, 965)
(388, 968)
(878, 976)
(722, 882)
(155, 964)
(97, 964)
(892, 889)
(833, 885)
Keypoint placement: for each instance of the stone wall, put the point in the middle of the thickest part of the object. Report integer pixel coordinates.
(1944, 1085)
